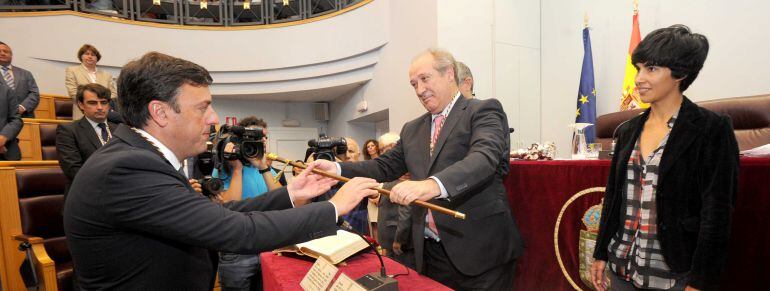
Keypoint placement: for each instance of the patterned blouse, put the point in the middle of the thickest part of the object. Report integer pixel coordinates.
(634, 251)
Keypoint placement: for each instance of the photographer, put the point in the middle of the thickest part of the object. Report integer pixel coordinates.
(340, 150)
(242, 271)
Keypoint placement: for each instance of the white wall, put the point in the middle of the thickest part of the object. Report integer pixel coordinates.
(412, 29)
(737, 65)
(242, 62)
(500, 42)
(272, 112)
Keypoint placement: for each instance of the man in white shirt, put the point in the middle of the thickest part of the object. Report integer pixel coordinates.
(134, 222)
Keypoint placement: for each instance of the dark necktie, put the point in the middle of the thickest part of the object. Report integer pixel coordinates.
(105, 135)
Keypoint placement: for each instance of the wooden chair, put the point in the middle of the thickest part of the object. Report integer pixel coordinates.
(37, 139)
(32, 212)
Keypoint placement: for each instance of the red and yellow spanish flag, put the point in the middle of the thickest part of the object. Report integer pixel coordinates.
(630, 99)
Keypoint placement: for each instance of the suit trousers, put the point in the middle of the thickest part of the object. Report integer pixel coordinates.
(438, 267)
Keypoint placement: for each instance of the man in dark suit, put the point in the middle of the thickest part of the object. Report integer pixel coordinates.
(10, 126)
(394, 224)
(134, 222)
(20, 82)
(75, 142)
(457, 155)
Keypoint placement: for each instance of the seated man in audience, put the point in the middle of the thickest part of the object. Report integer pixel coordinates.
(242, 271)
(134, 222)
(21, 83)
(75, 142)
(10, 126)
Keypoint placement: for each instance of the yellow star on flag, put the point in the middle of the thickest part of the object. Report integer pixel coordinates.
(594, 92)
(584, 99)
(578, 112)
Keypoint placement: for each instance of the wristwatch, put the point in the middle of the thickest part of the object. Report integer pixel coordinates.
(265, 170)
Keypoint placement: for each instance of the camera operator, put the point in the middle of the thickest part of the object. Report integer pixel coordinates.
(340, 150)
(242, 271)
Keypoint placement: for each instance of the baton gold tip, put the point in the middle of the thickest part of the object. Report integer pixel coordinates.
(459, 215)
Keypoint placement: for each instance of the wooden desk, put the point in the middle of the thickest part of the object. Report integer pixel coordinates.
(285, 272)
(538, 189)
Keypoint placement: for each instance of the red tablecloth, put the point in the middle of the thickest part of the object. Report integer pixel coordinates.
(285, 272)
(538, 189)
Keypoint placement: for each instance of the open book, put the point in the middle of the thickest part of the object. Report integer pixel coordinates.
(335, 248)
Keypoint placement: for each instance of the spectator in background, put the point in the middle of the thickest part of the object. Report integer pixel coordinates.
(371, 149)
(20, 83)
(394, 222)
(354, 153)
(242, 271)
(465, 80)
(358, 218)
(76, 141)
(10, 126)
(87, 73)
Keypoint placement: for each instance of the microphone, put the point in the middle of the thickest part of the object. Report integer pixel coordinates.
(373, 281)
(511, 130)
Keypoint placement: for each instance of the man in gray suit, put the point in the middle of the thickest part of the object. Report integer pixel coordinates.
(10, 125)
(20, 83)
(457, 156)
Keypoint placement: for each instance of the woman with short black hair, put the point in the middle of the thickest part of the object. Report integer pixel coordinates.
(666, 214)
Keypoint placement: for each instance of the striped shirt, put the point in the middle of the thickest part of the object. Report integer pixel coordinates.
(634, 251)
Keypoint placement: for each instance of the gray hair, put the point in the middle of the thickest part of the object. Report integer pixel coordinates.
(443, 60)
(388, 138)
(463, 72)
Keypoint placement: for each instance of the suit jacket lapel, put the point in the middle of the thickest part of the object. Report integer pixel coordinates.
(457, 112)
(89, 132)
(17, 76)
(422, 145)
(681, 137)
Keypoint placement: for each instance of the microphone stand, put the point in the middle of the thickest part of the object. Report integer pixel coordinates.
(377, 280)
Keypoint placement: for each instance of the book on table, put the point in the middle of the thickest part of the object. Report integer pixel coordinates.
(335, 248)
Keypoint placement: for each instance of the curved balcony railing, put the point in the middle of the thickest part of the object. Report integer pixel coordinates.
(193, 12)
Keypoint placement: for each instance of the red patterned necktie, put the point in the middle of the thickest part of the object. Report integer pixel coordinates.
(438, 123)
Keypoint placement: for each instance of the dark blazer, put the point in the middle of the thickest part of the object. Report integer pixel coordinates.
(697, 186)
(471, 160)
(75, 142)
(134, 223)
(393, 221)
(10, 124)
(26, 92)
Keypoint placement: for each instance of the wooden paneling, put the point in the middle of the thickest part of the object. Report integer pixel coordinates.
(10, 223)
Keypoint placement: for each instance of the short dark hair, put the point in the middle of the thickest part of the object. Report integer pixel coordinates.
(674, 47)
(100, 91)
(87, 47)
(155, 76)
(251, 121)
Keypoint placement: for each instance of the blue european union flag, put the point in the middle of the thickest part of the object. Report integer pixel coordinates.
(586, 100)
